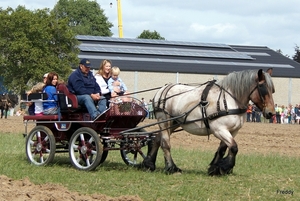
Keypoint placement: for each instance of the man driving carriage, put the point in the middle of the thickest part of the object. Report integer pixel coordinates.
(83, 84)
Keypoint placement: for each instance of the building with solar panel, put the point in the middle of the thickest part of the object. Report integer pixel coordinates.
(147, 64)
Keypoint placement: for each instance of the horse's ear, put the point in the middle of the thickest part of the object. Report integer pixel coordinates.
(261, 76)
(270, 71)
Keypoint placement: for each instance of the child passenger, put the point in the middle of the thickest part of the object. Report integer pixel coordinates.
(115, 84)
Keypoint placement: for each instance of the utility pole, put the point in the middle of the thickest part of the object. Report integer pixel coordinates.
(120, 25)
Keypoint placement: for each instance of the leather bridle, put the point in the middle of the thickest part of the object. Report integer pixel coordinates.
(262, 91)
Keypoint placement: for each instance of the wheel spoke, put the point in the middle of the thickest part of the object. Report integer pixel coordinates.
(46, 139)
(91, 140)
(82, 137)
(88, 161)
(135, 158)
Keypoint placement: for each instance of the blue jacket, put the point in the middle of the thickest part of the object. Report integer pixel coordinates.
(51, 92)
(79, 84)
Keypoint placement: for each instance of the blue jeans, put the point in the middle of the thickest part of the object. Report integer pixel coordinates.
(89, 103)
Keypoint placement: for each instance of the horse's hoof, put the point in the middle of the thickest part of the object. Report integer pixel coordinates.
(213, 170)
(147, 166)
(172, 170)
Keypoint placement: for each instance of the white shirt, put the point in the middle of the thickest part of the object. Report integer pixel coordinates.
(102, 84)
(38, 107)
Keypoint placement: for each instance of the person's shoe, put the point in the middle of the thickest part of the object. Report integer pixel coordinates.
(98, 115)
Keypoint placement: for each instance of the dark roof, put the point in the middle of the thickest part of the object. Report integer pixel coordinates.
(184, 57)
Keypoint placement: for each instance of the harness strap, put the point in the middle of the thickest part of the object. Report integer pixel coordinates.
(204, 103)
(226, 112)
(216, 115)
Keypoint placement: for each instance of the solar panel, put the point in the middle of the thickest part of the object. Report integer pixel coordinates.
(150, 41)
(223, 63)
(163, 51)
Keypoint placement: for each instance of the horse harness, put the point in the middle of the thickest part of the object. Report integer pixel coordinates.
(203, 105)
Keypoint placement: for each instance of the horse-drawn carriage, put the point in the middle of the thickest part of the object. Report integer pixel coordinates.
(87, 141)
(215, 107)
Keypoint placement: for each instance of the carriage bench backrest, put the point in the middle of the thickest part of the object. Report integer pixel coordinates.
(67, 101)
(34, 96)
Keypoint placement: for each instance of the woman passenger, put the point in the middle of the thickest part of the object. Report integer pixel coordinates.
(102, 77)
(50, 88)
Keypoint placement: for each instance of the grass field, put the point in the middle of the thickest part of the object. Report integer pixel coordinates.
(255, 177)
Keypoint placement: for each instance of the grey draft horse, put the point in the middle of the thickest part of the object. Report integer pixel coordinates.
(217, 108)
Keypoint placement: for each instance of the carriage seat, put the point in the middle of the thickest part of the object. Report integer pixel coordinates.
(66, 100)
(41, 117)
(33, 97)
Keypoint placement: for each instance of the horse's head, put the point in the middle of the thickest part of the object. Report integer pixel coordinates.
(261, 95)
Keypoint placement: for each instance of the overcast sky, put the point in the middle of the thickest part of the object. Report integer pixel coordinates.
(271, 23)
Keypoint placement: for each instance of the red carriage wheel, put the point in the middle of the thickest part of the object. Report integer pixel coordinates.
(40, 146)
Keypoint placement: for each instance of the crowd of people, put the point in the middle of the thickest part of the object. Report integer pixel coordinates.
(253, 113)
(284, 114)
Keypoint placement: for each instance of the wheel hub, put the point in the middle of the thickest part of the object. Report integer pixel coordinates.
(39, 147)
(83, 149)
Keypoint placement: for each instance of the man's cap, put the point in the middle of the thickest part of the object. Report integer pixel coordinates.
(45, 75)
(86, 63)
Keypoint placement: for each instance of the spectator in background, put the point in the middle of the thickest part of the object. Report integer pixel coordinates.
(278, 111)
(296, 111)
(253, 113)
(298, 114)
(150, 109)
(283, 114)
(258, 114)
(145, 105)
(249, 112)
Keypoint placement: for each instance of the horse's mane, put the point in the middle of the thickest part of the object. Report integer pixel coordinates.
(242, 82)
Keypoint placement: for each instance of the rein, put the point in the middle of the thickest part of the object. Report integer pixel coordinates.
(137, 92)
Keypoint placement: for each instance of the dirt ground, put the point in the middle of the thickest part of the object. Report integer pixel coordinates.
(263, 138)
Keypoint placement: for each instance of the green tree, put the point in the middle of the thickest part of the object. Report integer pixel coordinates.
(85, 17)
(33, 43)
(147, 34)
(296, 57)
(280, 52)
